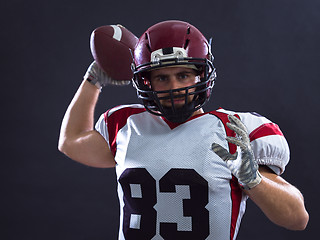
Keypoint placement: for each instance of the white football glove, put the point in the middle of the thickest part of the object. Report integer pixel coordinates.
(243, 166)
(96, 76)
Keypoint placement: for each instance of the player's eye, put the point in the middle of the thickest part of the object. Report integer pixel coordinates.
(161, 78)
(186, 76)
(183, 76)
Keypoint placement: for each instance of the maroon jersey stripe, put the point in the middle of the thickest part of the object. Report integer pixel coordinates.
(236, 192)
(266, 129)
(116, 121)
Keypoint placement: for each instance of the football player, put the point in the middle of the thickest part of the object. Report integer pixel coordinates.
(182, 173)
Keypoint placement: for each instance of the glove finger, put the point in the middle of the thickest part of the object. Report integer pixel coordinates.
(237, 141)
(237, 126)
(223, 153)
(233, 119)
(236, 121)
(237, 129)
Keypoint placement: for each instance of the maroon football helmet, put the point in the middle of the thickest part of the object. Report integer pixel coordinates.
(173, 43)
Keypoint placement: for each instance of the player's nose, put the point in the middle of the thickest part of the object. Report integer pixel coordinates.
(174, 83)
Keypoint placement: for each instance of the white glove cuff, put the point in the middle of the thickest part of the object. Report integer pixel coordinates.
(253, 183)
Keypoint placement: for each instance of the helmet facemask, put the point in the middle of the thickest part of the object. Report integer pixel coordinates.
(199, 91)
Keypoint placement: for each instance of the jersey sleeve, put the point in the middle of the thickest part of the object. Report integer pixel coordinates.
(101, 127)
(268, 142)
(113, 120)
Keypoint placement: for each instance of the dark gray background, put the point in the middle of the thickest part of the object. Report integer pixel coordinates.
(267, 59)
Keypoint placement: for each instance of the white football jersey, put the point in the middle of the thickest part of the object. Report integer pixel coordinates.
(171, 185)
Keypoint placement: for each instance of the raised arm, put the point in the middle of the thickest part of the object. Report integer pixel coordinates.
(78, 139)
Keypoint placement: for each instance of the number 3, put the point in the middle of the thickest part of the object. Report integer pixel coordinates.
(143, 206)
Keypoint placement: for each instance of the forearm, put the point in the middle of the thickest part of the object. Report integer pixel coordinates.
(281, 202)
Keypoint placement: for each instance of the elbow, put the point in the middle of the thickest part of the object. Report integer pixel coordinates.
(62, 145)
(295, 218)
(300, 222)
(300, 217)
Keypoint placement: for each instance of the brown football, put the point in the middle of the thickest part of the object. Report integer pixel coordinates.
(112, 47)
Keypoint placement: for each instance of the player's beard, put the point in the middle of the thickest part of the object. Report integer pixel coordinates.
(180, 114)
(178, 108)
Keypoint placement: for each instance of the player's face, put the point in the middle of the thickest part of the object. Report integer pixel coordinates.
(172, 78)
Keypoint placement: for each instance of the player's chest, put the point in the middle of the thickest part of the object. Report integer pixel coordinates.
(159, 149)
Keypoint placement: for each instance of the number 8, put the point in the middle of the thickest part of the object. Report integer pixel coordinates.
(143, 206)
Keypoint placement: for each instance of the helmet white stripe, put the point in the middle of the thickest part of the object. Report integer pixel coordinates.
(177, 52)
